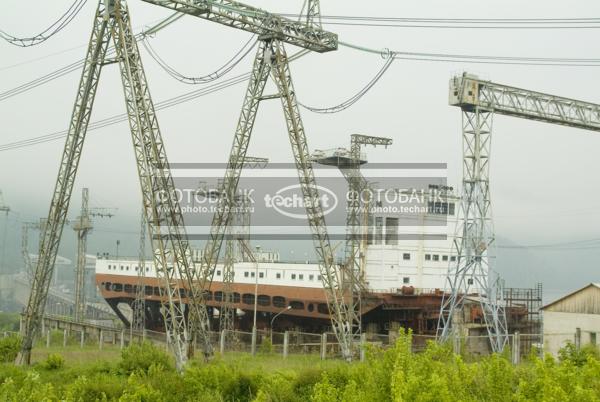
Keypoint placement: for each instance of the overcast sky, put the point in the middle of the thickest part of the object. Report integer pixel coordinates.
(545, 188)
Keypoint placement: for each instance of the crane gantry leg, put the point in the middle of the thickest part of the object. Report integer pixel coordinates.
(272, 59)
(172, 256)
(474, 238)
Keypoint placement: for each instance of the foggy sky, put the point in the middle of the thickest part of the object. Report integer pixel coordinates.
(544, 181)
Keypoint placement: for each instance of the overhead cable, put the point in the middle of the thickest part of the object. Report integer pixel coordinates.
(47, 33)
(220, 72)
(352, 100)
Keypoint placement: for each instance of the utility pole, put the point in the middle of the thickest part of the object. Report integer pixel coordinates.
(83, 226)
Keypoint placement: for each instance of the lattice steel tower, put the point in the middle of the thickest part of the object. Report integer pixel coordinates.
(171, 252)
(271, 60)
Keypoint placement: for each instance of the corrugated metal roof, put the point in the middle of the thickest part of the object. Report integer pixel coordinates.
(585, 301)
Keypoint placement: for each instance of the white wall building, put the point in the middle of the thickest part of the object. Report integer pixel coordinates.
(573, 314)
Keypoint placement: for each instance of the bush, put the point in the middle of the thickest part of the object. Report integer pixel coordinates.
(139, 357)
(54, 361)
(266, 346)
(9, 348)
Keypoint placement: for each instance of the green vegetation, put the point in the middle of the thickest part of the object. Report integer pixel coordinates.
(146, 373)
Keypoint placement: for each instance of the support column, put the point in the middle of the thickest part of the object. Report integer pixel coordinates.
(65, 337)
(363, 346)
(122, 343)
(82, 339)
(577, 338)
(253, 347)
(324, 346)
(516, 348)
(100, 339)
(48, 335)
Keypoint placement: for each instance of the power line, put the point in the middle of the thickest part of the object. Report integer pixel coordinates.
(220, 72)
(49, 32)
(352, 100)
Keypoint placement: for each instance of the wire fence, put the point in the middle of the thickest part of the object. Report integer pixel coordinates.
(67, 333)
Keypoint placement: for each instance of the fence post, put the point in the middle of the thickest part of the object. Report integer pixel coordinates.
(324, 346)
(456, 344)
(222, 342)
(82, 340)
(48, 338)
(65, 336)
(43, 325)
(363, 346)
(21, 327)
(286, 342)
(253, 348)
(122, 343)
(516, 348)
(577, 338)
(100, 339)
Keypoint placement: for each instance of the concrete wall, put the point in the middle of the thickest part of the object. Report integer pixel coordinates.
(560, 328)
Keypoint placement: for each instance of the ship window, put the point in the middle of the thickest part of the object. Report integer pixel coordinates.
(293, 276)
(297, 305)
(108, 266)
(391, 231)
(470, 281)
(261, 274)
(311, 277)
(301, 277)
(248, 298)
(218, 273)
(263, 300)
(127, 268)
(136, 267)
(318, 277)
(427, 257)
(218, 296)
(278, 301)
(246, 274)
(453, 258)
(311, 307)
(444, 258)
(121, 267)
(252, 275)
(406, 256)
(406, 279)
(278, 275)
(147, 269)
(436, 257)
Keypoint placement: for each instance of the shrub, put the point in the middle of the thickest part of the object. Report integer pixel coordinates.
(266, 346)
(141, 356)
(9, 348)
(54, 361)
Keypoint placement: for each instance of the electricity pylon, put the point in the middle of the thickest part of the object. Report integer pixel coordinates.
(271, 59)
(172, 256)
(83, 226)
(138, 318)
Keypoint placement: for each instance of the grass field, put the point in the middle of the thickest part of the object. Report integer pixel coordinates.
(147, 373)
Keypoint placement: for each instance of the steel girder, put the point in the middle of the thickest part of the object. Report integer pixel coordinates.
(474, 240)
(471, 92)
(260, 22)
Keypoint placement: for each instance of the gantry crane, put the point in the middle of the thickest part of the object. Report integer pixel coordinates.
(171, 251)
(479, 101)
(138, 317)
(271, 59)
(357, 217)
(83, 225)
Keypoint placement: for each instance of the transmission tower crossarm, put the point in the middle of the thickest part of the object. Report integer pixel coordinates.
(469, 92)
(257, 21)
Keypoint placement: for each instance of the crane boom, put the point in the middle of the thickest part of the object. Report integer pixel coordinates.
(469, 92)
(251, 19)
